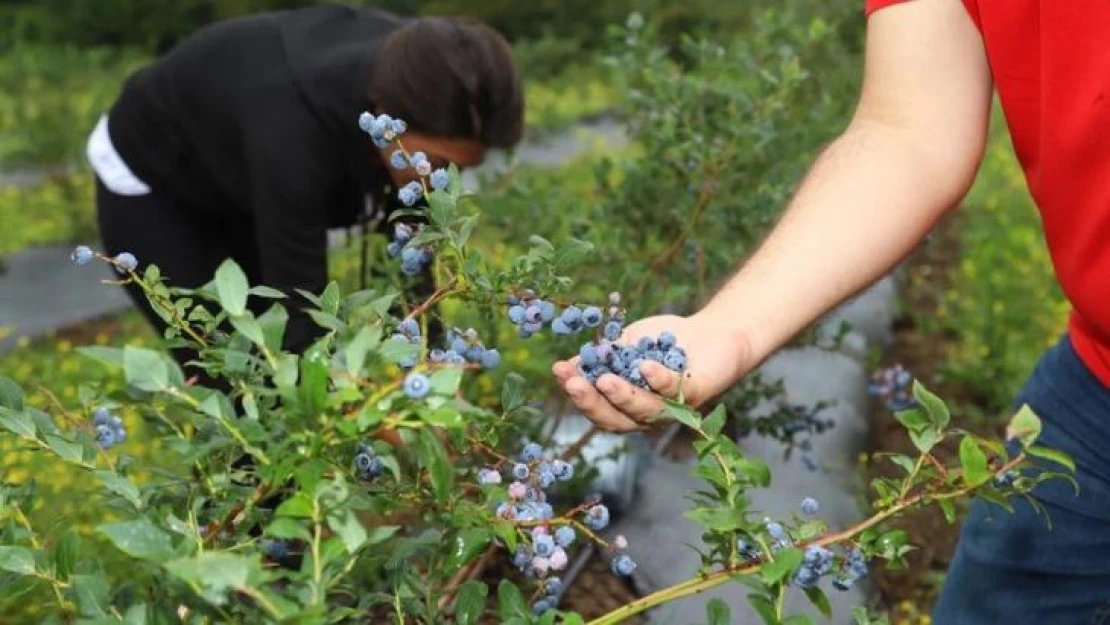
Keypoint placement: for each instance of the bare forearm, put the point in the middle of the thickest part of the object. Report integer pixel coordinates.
(867, 201)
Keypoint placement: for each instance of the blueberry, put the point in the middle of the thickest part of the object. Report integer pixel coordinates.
(589, 356)
(533, 314)
(675, 360)
(564, 536)
(541, 606)
(407, 196)
(531, 452)
(491, 358)
(417, 385)
(553, 585)
(398, 126)
(520, 471)
(365, 120)
(666, 341)
(363, 461)
(597, 517)
(125, 262)
(645, 344)
(397, 160)
(775, 530)
(102, 417)
(489, 476)
(440, 179)
(543, 545)
(572, 317)
(563, 470)
(546, 478)
(592, 316)
(516, 314)
(623, 565)
(547, 310)
(394, 249)
(410, 327)
(82, 255)
(560, 327)
(809, 506)
(105, 436)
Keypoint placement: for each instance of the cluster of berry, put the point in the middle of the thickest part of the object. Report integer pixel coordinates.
(413, 258)
(409, 332)
(804, 420)
(530, 313)
(124, 262)
(894, 387)
(464, 347)
(533, 475)
(109, 428)
(367, 463)
(597, 359)
(383, 129)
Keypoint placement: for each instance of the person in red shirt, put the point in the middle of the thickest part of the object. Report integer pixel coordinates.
(908, 157)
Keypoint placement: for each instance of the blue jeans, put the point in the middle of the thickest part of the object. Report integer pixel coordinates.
(1012, 569)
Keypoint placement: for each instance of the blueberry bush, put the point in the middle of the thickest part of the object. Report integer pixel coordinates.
(368, 478)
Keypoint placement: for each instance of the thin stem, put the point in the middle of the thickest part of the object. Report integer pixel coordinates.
(262, 601)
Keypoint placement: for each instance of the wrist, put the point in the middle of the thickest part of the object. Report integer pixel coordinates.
(733, 339)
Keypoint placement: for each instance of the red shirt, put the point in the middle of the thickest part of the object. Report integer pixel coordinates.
(1051, 65)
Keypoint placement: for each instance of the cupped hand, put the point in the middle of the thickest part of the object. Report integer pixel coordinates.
(716, 357)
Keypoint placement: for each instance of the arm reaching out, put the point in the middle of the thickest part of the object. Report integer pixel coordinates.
(909, 155)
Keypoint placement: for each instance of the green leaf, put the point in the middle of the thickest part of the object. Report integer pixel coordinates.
(298, 506)
(325, 320)
(139, 539)
(285, 527)
(949, 510)
(329, 299)
(121, 486)
(349, 529)
(786, 562)
(108, 355)
(1053, 455)
(718, 613)
(716, 519)
(798, 619)
(273, 323)
(136, 614)
(903, 461)
(214, 573)
(231, 288)
(509, 600)
(925, 439)
(682, 413)
(471, 603)
(18, 423)
(1025, 426)
(819, 600)
(915, 419)
(382, 533)
(92, 592)
(512, 392)
(468, 544)
(933, 405)
(446, 381)
(66, 450)
(65, 554)
(314, 380)
(267, 292)
(18, 560)
(443, 417)
(397, 351)
(368, 337)
(11, 395)
(248, 327)
(145, 369)
(974, 462)
(765, 608)
(433, 457)
(715, 421)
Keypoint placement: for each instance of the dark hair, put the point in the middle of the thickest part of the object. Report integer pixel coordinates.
(450, 77)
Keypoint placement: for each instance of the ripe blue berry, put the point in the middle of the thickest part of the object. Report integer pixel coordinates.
(516, 314)
(491, 358)
(553, 585)
(645, 344)
(407, 196)
(417, 385)
(588, 355)
(809, 506)
(613, 330)
(775, 530)
(560, 327)
(363, 461)
(533, 314)
(101, 416)
(531, 452)
(564, 536)
(547, 310)
(572, 317)
(623, 565)
(365, 120)
(410, 327)
(520, 471)
(592, 316)
(81, 255)
(563, 470)
(541, 606)
(125, 262)
(666, 341)
(397, 160)
(398, 127)
(546, 478)
(597, 517)
(105, 436)
(675, 360)
(543, 545)
(440, 179)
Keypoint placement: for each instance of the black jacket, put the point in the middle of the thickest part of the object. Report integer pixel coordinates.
(260, 115)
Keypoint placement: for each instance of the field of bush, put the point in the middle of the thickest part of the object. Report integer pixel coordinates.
(724, 107)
